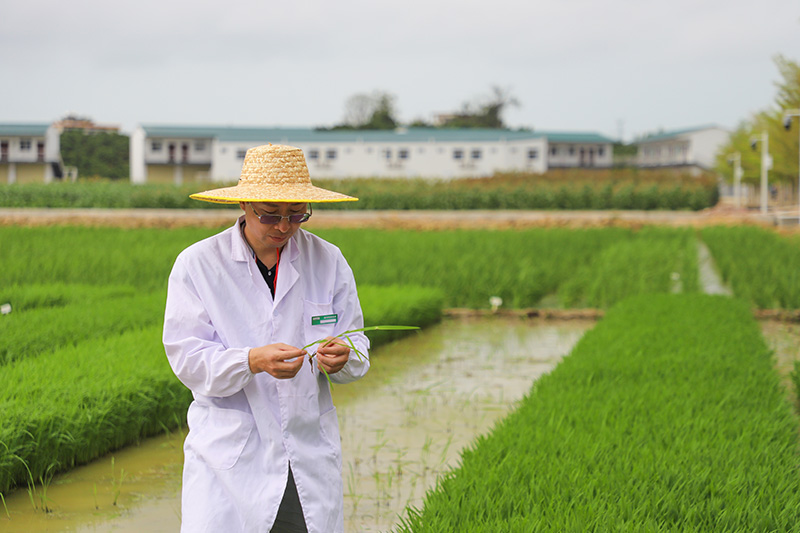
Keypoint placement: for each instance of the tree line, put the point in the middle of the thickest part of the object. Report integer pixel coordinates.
(378, 111)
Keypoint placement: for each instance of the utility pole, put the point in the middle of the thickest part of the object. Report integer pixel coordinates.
(736, 159)
(766, 164)
(787, 123)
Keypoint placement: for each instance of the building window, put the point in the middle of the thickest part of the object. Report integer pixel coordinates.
(458, 154)
(313, 155)
(571, 150)
(533, 153)
(601, 151)
(475, 154)
(199, 146)
(553, 151)
(330, 154)
(156, 146)
(241, 153)
(387, 153)
(25, 144)
(402, 154)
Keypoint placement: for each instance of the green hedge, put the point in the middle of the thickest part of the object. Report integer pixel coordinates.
(667, 416)
(575, 190)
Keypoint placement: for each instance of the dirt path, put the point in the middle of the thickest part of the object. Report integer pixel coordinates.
(415, 220)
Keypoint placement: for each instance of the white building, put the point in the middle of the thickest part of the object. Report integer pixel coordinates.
(178, 154)
(30, 153)
(693, 148)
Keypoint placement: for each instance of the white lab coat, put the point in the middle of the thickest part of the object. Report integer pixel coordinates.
(245, 428)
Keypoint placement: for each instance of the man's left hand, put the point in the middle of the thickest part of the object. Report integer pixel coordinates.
(333, 355)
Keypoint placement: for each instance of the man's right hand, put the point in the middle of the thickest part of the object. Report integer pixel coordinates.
(281, 361)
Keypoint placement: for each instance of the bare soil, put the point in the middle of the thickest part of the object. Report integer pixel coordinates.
(409, 220)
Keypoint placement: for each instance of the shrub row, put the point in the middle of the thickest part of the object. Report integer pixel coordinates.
(667, 416)
(77, 402)
(624, 190)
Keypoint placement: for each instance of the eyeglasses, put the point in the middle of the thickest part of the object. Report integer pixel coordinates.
(276, 219)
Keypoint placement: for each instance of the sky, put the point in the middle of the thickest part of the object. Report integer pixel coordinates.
(622, 68)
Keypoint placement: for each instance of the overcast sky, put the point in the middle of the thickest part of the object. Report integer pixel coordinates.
(614, 67)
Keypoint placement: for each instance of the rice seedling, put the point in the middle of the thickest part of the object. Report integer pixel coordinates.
(349, 342)
(5, 507)
(116, 482)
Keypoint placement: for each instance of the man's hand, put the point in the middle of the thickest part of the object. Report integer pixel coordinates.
(333, 355)
(278, 360)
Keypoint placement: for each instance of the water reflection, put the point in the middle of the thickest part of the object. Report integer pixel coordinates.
(425, 398)
(456, 382)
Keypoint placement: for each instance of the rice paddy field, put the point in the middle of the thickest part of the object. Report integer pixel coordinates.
(667, 416)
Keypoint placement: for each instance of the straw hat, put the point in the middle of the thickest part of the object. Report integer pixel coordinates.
(273, 173)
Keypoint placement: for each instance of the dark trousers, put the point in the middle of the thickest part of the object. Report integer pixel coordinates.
(290, 513)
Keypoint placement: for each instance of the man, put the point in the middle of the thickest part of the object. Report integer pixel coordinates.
(263, 451)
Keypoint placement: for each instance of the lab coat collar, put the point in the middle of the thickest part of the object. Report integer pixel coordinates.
(287, 273)
(240, 250)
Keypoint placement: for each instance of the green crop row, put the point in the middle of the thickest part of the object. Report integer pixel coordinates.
(29, 333)
(79, 400)
(761, 266)
(96, 256)
(524, 268)
(622, 189)
(402, 305)
(33, 296)
(667, 416)
(595, 266)
(656, 261)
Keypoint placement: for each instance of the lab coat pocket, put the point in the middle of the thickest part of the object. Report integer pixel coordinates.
(319, 320)
(218, 435)
(329, 425)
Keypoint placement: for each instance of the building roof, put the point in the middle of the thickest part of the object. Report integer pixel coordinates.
(21, 130)
(308, 135)
(674, 134)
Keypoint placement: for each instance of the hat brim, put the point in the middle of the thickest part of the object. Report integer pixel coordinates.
(297, 194)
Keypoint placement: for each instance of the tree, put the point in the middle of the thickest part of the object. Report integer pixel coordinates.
(783, 145)
(374, 111)
(485, 113)
(96, 154)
